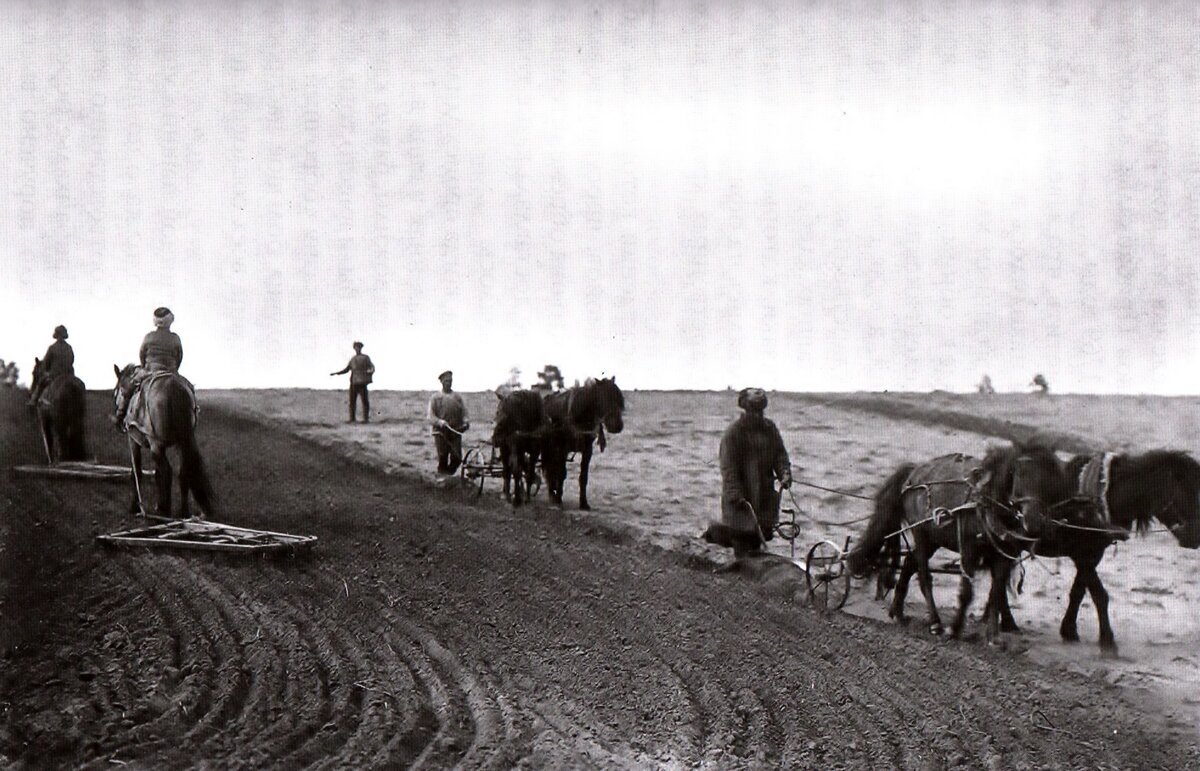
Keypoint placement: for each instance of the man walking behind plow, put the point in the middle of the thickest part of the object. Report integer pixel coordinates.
(448, 421)
(752, 457)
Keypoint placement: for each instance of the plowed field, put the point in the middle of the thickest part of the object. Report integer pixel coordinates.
(424, 632)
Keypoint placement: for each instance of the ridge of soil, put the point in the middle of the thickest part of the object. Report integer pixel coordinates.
(426, 633)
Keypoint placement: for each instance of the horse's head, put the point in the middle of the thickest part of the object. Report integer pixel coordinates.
(124, 379)
(610, 404)
(1030, 482)
(38, 368)
(1181, 514)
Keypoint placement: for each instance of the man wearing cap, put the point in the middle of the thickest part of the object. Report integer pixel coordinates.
(361, 372)
(161, 351)
(752, 457)
(448, 421)
(59, 360)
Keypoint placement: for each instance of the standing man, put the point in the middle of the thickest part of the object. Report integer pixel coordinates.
(447, 422)
(361, 371)
(59, 360)
(752, 457)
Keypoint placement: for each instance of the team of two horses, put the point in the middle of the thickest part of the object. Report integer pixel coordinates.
(1020, 500)
(530, 427)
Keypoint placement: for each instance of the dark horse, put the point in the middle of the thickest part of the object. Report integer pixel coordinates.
(520, 424)
(163, 415)
(61, 409)
(984, 510)
(583, 414)
(1128, 492)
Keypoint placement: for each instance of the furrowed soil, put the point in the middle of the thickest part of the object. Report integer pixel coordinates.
(423, 631)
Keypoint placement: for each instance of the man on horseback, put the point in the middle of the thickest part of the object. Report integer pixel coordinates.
(59, 360)
(752, 458)
(448, 421)
(161, 351)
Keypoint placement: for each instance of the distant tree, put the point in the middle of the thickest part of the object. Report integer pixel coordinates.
(985, 386)
(1039, 381)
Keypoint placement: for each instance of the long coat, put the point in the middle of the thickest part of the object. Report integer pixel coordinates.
(752, 458)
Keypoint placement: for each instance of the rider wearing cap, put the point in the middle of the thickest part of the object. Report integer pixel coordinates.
(753, 457)
(161, 351)
(448, 420)
(59, 360)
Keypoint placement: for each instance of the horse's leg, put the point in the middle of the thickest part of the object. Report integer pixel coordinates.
(531, 471)
(1108, 642)
(922, 552)
(162, 475)
(48, 440)
(1069, 630)
(184, 509)
(136, 506)
(1001, 568)
(900, 591)
(517, 473)
(966, 593)
(1007, 622)
(506, 472)
(585, 460)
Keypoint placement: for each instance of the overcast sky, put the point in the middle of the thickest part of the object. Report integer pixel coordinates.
(820, 196)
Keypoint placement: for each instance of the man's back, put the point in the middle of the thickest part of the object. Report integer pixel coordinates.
(60, 359)
(162, 350)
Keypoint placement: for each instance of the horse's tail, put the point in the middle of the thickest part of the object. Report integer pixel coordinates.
(875, 548)
(194, 473)
(76, 420)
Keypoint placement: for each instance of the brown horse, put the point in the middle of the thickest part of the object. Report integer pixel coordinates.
(1129, 492)
(162, 415)
(520, 423)
(62, 410)
(986, 510)
(585, 413)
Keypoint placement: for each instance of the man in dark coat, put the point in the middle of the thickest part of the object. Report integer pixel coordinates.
(59, 360)
(752, 457)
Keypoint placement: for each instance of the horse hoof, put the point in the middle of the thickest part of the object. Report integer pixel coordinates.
(584, 507)
(1109, 651)
(1070, 637)
(1011, 629)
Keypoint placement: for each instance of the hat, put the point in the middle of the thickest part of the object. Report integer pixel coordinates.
(60, 332)
(357, 345)
(752, 399)
(163, 317)
(445, 375)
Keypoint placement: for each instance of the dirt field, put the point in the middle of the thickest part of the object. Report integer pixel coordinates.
(428, 632)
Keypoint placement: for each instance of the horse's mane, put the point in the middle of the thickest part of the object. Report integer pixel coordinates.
(604, 389)
(999, 464)
(1178, 464)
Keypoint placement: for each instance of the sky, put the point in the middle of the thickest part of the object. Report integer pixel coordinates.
(819, 196)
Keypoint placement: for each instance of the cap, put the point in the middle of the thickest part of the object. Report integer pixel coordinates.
(445, 375)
